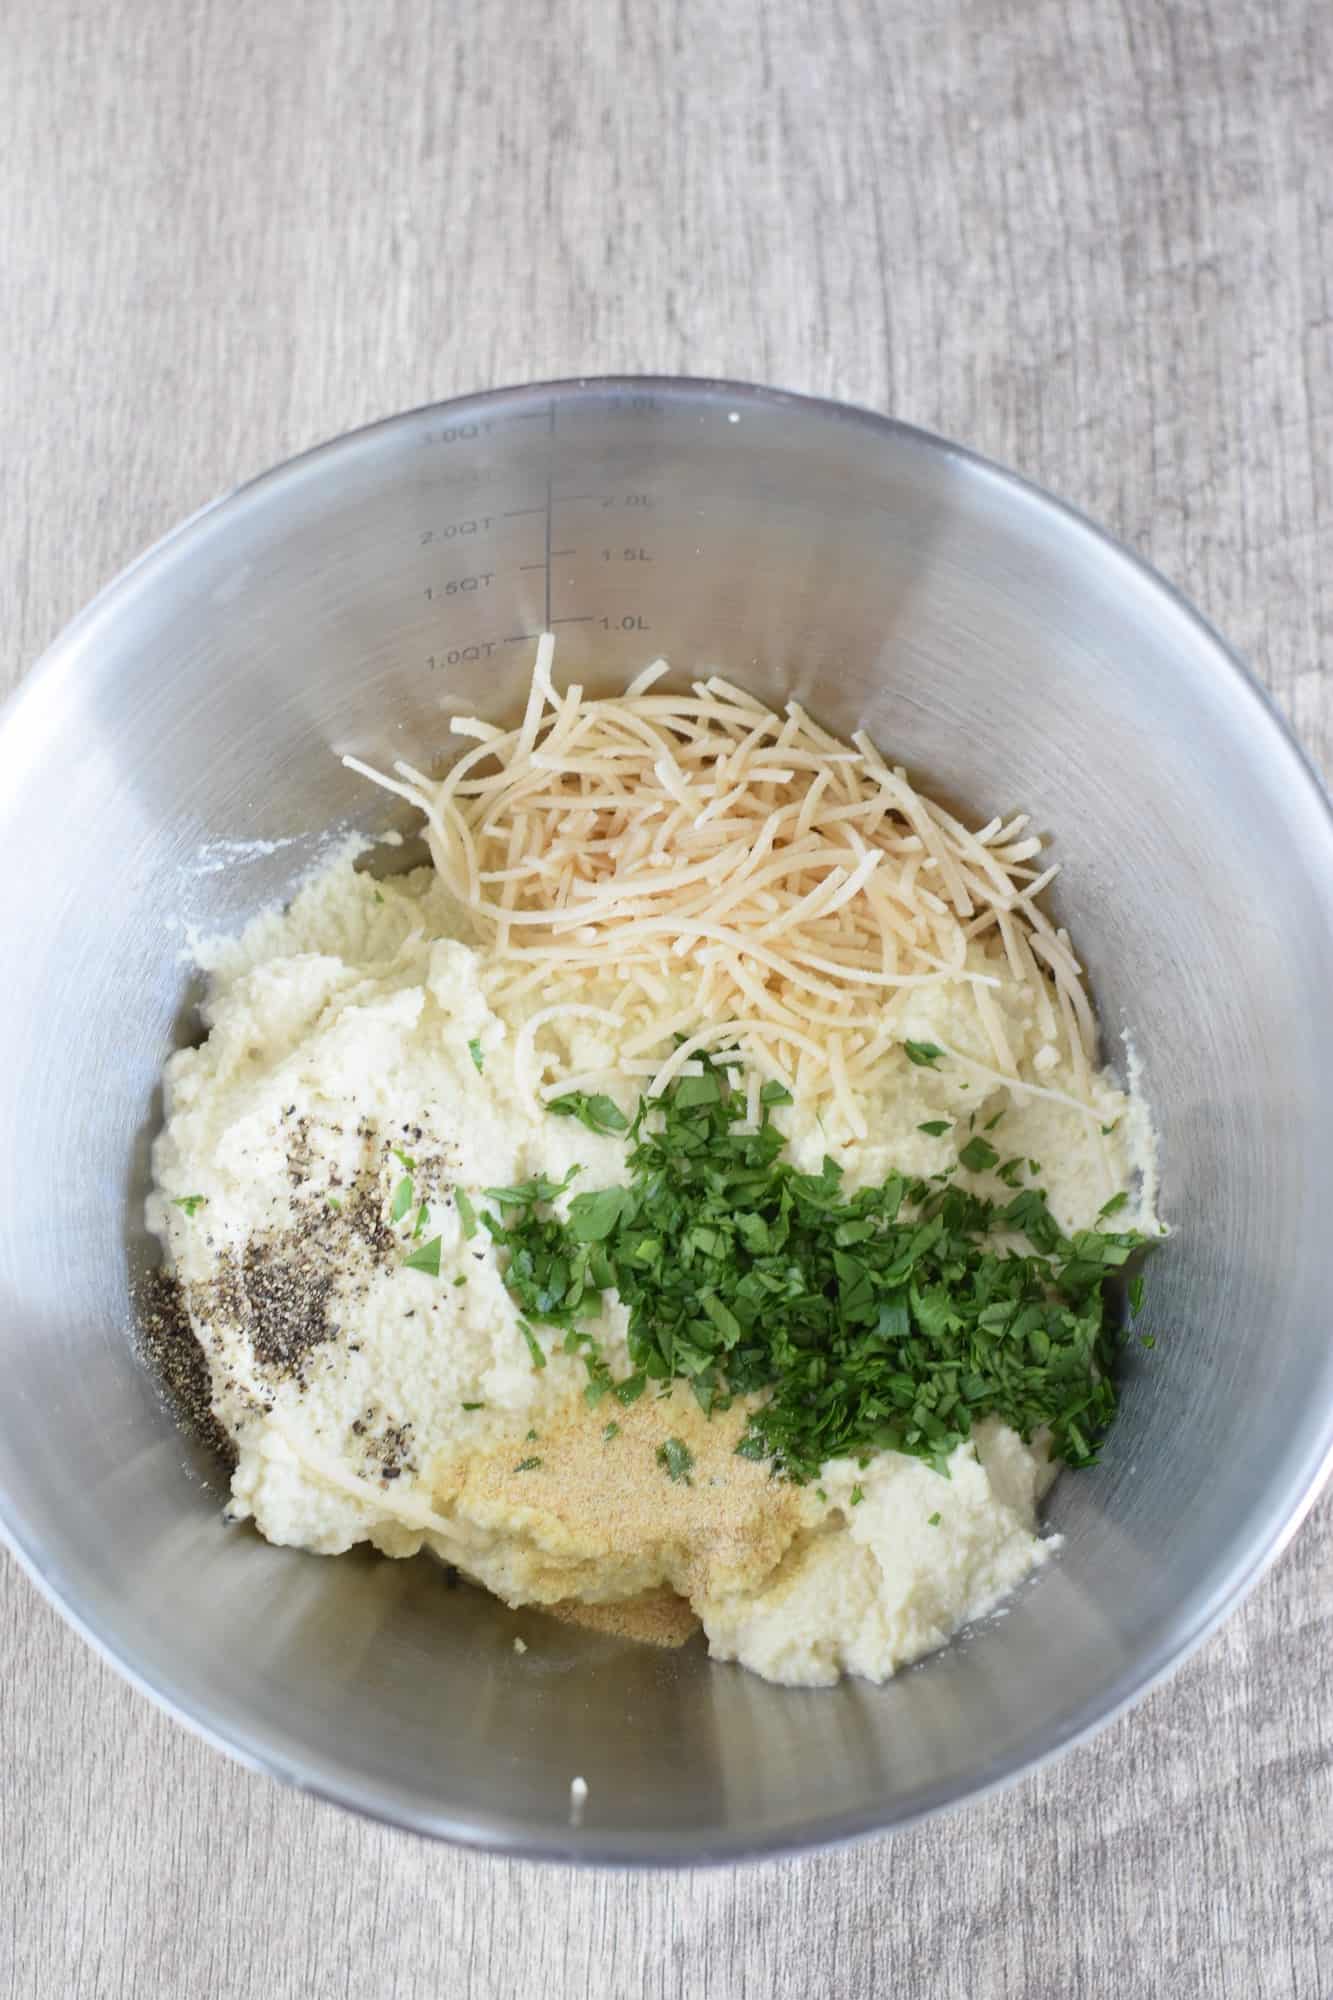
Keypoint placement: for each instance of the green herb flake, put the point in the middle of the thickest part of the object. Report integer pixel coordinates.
(426, 1259)
(461, 1279)
(592, 1217)
(934, 1521)
(405, 1160)
(936, 1127)
(535, 1348)
(991, 1123)
(423, 1217)
(924, 1054)
(478, 1059)
(474, 1406)
(609, 1431)
(1148, 1339)
(377, 897)
(527, 1465)
(525, 1194)
(467, 1216)
(1136, 1295)
(531, 1438)
(978, 1155)
(678, 1460)
(857, 1496)
(1107, 1130)
(599, 1113)
(333, 1202)
(1115, 1204)
(191, 1203)
(691, 1093)
(402, 1199)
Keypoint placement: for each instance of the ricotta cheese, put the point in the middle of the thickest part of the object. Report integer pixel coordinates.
(356, 1093)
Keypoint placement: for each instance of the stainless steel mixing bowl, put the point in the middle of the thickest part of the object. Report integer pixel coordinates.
(171, 764)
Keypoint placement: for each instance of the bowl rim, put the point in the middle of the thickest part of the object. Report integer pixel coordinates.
(1267, 1535)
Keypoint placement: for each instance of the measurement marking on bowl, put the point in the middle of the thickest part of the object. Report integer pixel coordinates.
(554, 548)
(477, 524)
(457, 586)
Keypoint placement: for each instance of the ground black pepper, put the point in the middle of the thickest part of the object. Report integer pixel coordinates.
(167, 1341)
(287, 1292)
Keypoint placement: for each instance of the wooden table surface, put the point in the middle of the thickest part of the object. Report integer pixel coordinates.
(1092, 238)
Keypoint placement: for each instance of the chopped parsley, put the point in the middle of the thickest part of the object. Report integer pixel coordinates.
(402, 1199)
(592, 1217)
(426, 1259)
(525, 1193)
(461, 1279)
(535, 1348)
(191, 1203)
(857, 1497)
(1114, 1205)
(527, 1465)
(599, 1375)
(934, 1521)
(1136, 1294)
(678, 1460)
(936, 1127)
(423, 1217)
(333, 1201)
(598, 1113)
(609, 1431)
(924, 1054)
(478, 1059)
(474, 1406)
(889, 1318)
(978, 1155)
(991, 1123)
(467, 1216)
(405, 1160)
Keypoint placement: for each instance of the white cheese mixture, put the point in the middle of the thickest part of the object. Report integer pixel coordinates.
(352, 1048)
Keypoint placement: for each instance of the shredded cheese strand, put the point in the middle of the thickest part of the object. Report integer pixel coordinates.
(739, 876)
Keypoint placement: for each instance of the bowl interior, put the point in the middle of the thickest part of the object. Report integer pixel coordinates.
(172, 766)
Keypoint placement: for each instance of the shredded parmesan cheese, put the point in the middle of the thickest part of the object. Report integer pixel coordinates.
(803, 883)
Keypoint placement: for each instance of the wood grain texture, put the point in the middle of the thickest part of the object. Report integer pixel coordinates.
(1094, 240)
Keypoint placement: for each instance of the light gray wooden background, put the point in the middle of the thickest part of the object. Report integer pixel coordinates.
(1092, 238)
